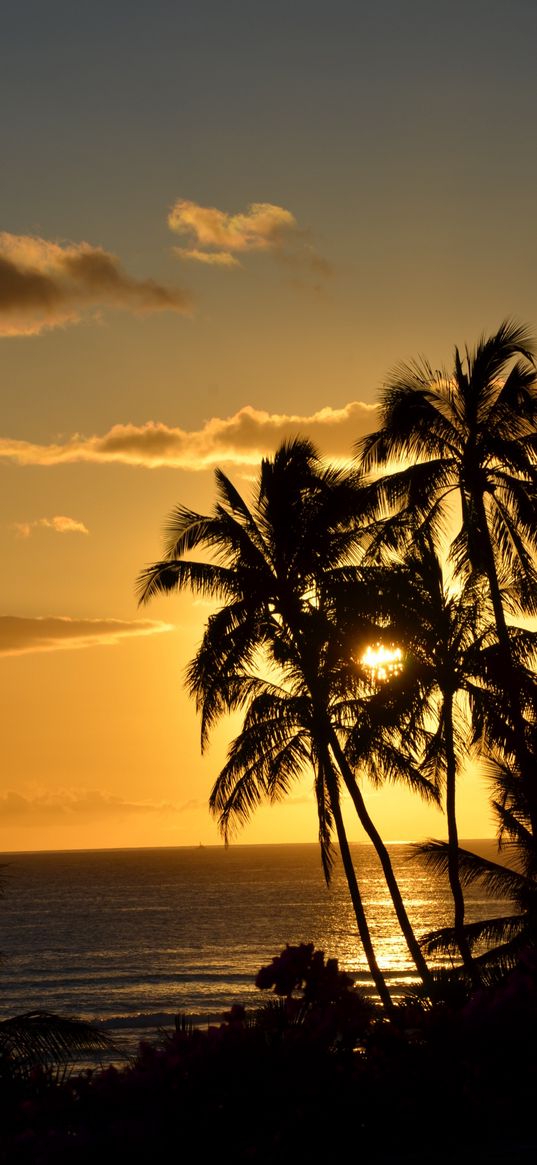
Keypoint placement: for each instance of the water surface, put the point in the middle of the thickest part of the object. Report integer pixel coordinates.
(133, 937)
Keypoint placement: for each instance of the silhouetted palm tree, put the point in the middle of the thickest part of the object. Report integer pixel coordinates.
(281, 739)
(472, 434)
(507, 937)
(445, 638)
(284, 569)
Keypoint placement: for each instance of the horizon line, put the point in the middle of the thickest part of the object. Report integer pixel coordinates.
(211, 845)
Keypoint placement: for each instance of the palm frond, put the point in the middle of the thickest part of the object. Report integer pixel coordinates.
(261, 765)
(500, 930)
(44, 1039)
(186, 530)
(498, 880)
(205, 579)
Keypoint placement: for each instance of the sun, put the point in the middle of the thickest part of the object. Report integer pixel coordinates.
(383, 662)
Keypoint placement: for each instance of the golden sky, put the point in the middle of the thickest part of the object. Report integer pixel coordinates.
(221, 224)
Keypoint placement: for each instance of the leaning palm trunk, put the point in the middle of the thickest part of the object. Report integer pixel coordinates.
(384, 858)
(329, 734)
(350, 873)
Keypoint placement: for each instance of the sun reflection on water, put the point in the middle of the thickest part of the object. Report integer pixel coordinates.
(153, 933)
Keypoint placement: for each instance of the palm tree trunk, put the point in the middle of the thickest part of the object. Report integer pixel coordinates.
(361, 920)
(512, 681)
(385, 861)
(328, 735)
(453, 843)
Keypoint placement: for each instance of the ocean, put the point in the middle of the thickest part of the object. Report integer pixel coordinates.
(132, 938)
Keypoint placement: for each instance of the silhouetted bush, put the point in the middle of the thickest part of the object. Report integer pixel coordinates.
(277, 1088)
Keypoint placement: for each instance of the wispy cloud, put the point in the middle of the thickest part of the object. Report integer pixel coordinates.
(210, 258)
(60, 524)
(65, 805)
(241, 439)
(20, 635)
(45, 284)
(215, 237)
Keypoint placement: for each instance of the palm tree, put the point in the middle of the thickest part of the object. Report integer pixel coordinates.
(446, 643)
(279, 740)
(284, 569)
(507, 937)
(472, 435)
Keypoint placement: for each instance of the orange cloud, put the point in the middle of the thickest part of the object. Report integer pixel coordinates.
(216, 238)
(60, 524)
(241, 439)
(46, 285)
(262, 226)
(19, 636)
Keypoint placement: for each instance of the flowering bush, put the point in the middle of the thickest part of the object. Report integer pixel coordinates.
(318, 996)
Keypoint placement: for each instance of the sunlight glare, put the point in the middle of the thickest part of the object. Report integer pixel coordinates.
(383, 662)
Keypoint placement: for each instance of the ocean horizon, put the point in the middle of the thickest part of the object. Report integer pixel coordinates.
(464, 842)
(133, 937)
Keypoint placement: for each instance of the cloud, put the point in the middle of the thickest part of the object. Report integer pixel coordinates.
(68, 805)
(21, 635)
(241, 439)
(46, 285)
(261, 227)
(60, 524)
(210, 258)
(216, 238)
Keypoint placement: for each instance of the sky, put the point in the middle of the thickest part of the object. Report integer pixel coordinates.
(222, 222)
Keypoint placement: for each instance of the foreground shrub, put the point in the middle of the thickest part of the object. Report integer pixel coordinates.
(316, 997)
(276, 1090)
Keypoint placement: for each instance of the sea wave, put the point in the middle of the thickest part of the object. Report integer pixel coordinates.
(71, 947)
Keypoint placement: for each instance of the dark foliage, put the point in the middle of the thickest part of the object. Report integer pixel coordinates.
(39, 1039)
(316, 997)
(422, 1085)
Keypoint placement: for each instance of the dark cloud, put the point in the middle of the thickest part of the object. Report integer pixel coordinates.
(45, 285)
(20, 635)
